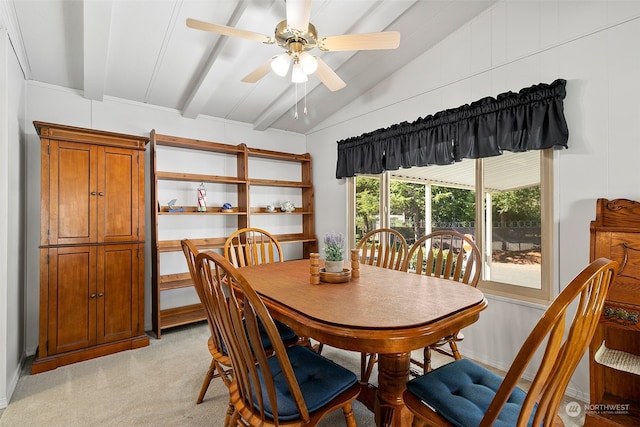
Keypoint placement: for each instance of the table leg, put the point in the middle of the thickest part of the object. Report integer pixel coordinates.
(393, 374)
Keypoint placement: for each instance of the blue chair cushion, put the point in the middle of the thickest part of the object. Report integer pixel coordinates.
(286, 333)
(320, 381)
(461, 392)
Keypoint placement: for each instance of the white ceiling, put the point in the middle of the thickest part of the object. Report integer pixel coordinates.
(142, 50)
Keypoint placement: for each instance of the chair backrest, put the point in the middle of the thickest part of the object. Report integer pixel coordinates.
(241, 316)
(447, 254)
(252, 246)
(383, 247)
(562, 353)
(191, 252)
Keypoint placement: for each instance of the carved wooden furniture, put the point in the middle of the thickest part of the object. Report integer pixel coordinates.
(220, 365)
(291, 386)
(247, 178)
(450, 255)
(368, 314)
(614, 354)
(91, 244)
(251, 246)
(458, 393)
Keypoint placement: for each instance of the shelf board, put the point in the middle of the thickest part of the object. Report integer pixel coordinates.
(184, 315)
(277, 183)
(176, 245)
(268, 154)
(193, 210)
(196, 177)
(175, 281)
(295, 238)
(261, 211)
(196, 144)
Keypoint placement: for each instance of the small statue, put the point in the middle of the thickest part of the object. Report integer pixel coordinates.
(172, 207)
(202, 198)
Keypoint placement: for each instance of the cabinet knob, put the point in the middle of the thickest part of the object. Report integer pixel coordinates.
(100, 294)
(93, 193)
(101, 193)
(93, 295)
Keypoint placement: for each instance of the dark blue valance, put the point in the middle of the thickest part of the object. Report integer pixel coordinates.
(532, 119)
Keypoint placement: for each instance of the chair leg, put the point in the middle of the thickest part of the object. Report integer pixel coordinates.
(366, 366)
(211, 373)
(454, 350)
(234, 419)
(348, 415)
(427, 359)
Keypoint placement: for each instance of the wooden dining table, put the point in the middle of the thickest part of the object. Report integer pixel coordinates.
(382, 311)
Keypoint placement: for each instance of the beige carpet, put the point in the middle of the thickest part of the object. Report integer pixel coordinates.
(151, 386)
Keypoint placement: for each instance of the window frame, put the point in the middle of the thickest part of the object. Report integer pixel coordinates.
(545, 294)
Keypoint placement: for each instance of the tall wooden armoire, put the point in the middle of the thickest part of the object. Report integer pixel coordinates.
(614, 354)
(91, 244)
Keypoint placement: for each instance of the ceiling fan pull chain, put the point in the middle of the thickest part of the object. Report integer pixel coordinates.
(305, 99)
(295, 115)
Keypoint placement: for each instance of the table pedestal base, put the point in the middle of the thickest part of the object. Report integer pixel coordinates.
(393, 373)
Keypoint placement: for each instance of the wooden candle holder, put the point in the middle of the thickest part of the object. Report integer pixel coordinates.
(314, 268)
(355, 263)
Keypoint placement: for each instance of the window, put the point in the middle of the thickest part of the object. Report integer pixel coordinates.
(504, 202)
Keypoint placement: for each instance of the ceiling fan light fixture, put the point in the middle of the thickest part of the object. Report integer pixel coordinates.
(308, 62)
(280, 64)
(297, 74)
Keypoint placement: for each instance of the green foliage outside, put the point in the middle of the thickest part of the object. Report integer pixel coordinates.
(448, 205)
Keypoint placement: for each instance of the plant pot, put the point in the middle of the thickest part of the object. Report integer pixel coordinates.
(333, 266)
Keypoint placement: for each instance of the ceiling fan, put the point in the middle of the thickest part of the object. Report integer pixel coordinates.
(296, 35)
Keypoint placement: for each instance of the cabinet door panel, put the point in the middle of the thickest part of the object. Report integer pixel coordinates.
(72, 301)
(118, 292)
(73, 193)
(118, 195)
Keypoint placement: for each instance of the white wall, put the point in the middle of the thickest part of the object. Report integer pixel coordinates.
(595, 46)
(11, 219)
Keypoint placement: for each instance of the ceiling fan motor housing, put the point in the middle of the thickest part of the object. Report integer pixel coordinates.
(295, 40)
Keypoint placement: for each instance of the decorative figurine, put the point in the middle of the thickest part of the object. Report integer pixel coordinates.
(202, 198)
(172, 207)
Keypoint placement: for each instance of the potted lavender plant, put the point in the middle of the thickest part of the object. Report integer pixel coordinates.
(334, 252)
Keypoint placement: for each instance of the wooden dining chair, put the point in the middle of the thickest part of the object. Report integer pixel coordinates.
(383, 247)
(462, 393)
(252, 246)
(292, 386)
(386, 248)
(450, 255)
(220, 362)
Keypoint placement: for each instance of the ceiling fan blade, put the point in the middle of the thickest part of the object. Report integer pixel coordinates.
(367, 41)
(328, 77)
(228, 31)
(298, 14)
(258, 73)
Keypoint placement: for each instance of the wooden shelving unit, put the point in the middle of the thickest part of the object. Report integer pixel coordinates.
(232, 173)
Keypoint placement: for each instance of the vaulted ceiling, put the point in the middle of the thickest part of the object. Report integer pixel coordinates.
(142, 50)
